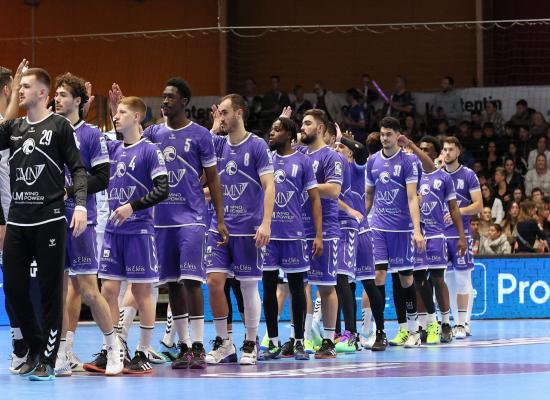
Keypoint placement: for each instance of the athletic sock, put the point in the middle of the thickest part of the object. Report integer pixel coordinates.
(445, 317)
(197, 328)
(422, 320)
(170, 332)
(317, 313)
(181, 324)
(220, 325)
(307, 327)
(328, 333)
(367, 317)
(145, 336)
(110, 337)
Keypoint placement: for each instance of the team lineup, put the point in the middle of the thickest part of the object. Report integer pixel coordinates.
(312, 213)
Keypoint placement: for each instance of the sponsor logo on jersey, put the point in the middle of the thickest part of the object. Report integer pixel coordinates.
(387, 196)
(283, 198)
(29, 175)
(28, 146)
(427, 207)
(424, 189)
(175, 177)
(280, 176)
(169, 153)
(231, 168)
(123, 194)
(384, 177)
(120, 169)
(235, 191)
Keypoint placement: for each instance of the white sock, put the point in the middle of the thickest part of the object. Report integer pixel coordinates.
(16, 333)
(127, 320)
(412, 322)
(181, 325)
(252, 308)
(220, 325)
(470, 306)
(403, 326)
(431, 318)
(462, 317)
(451, 284)
(445, 317)
(62, 352)
(328, 333)
(422, 320)
(145, 336)
(367, 317)
(110, 338)
(170, 332)
(70, 340)
(307, 327)
(317, 313)
(197, 328)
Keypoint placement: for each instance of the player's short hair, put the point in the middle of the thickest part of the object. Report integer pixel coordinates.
(5, 77)
(182, 86)
(390, 123)
(41, 76)
(75, 85)
(433, 141)
(237, 101)
(453, 140)
(318, 115)
(331, 128)
(290, 126)
(135, 104)
(374, 144)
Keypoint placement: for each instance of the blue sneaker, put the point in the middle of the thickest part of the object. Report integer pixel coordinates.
(29, 366)
(44, 372)
(169, 353)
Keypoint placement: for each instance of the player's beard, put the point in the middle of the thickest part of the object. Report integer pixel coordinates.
(450, 161)
(274, 146)
(306, 139)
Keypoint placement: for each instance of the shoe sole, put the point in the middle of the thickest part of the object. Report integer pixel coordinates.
(35, 378)
(27, 374)
(128, 372)
(198, 365)
(318, 357)
(180, 366)
(64, 374)
(396, 344)
(78, 369)
(301, 358)
(378, 349)
(93, 368)
(114, 373)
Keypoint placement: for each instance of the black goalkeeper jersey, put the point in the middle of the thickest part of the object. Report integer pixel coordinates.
(38, 153)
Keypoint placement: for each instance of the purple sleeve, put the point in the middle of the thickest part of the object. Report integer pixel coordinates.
(410, 169)
(156, 162)
(207, 153)
(333, 168)
(99, 154)
(473, 182)
(369, 179)
(264, 163)
(310, 181)
(149, 132)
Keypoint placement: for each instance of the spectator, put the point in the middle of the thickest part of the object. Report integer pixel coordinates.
(354, 116)
(474, 228)
(525, 142)
(329, 102)
(523, 115)
(539, 176)
(493, 203)
(501, 188)
(478, 146)
(536, 196)
(401, 101)
(369, 94)
(466, 157)
(253, 105)
(495, 243)
(543, 216)
(464, 133)
(513, 178)
(541, 149)
(492, 115)
(510, 222)
(509, 135)
(492, 158)
(518, 195)
(273, 103)
(539, 125)
(520, 163)
(478, 168)
(475, 118)
(447, 106)
(442, 127)
(410, 129)
(485, 221)
(529, 237)
(300, 105)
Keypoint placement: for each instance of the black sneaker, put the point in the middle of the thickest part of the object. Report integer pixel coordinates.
(381, 342)
(198, 356)
(446, 333)
(139, 365)
(300, 353)
(182, 360)
(44, 372)
(127, 358)
(327, 350)
(273, 352)
(99, 364)
(287, 350)
(30, 365)
(423, 335)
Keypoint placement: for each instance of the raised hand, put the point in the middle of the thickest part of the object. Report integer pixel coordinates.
(115, 95)
(216, 119)
(286, 113)
(91, 99)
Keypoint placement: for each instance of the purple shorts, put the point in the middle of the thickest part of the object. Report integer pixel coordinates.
(81, 253)
(181, 253)
(435, 256)
(348, 251)
(288, 255)
(393, 248)
(457, 262)
(365, 260)
(240, 258)
(324, 268)
(131, 258)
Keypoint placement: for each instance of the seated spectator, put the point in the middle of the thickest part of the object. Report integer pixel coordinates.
(354, 116)
(493, 203)
(541, 149)
(536, 195)
(543, 220)
(492, 159)
(484, 179)
(475, 119)
(492, 115)
(539, 125)
(523, 115)
(253, 105)
(478, 145)
(442, 128)
(463, 133)
(525, 142)
(410, 129)
(300, 105)
(466, 158)
(447, 106)
(501, 189)
(519, 163)
(509, 136)
(401, 101)
(273, 103)
(518, 195)
(510, 222)
(474, 229)
(485, 221)
(495, 243)
(512, 177)
(528, 232)
(478, 168)
(329, 102)
(539, 176)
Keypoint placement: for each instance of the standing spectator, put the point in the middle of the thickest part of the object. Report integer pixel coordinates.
(502, 191)
(495, 243)
(476, 238)
(541, 149)
(510, 222)
(528, 232)
(401, 101)
(523, 115)
(493, 203)
(447, 103)
(273, 103)
(354, 116)
(492, 115)
(328, 102)
(513, 178)
(369, 94)
(300, 105)
(539, 125)
(485, 220)
(538, 176)
(253, 105)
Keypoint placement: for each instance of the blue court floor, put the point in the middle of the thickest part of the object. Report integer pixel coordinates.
(503, 360)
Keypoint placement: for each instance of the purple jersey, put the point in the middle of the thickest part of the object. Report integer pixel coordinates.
(436, 189)
(389, 178)
(328, 168)
(133, 169)
(465, 183)
(293, 176)
(240, 167)
(345, 195)
(187, 151)
(93, 150)
(357, 193)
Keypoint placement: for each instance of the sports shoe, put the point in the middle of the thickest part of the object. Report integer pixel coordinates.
(169, 353)
(154, 357)
(124, 345)
(349, 346)
(432, 333)
(259, 353)
(265, 343)
(62, 366)
(413, 340)
(17, 362)
(30, 365)
(139, 365)
(249, 353)
(367, 341)
(184, 356)
(198, 356)
(115, 358)
(400, 338)
(287, 350)
(43, 372)
(326, 351)
(76, 364)
(223, 351)
(380, 342)
(446, 333)
(308, 347)
(99, 364)
(468, 329)
(423, 335)
(273, 352)
(460, 332)
(300, 353)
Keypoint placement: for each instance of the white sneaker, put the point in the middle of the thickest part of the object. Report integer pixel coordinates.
(223, 351)
(249, 353)
(460, 332)
(367, 341)
(17, 362)
(115, 358)
(468, 329)
(76, 364)
(154, 357)
(413, 340)
(62, 366)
